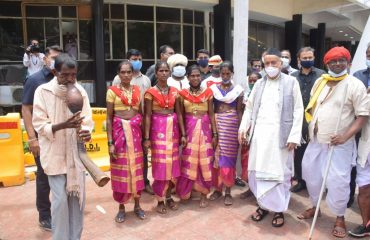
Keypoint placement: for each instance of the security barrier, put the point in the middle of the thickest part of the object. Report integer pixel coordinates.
(97, 149)
(11, 148)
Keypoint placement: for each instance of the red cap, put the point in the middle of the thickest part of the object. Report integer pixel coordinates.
(336, 53)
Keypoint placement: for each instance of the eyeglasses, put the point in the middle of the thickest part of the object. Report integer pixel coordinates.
(337, 61)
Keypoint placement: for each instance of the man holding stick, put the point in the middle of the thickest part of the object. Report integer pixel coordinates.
(322, 113)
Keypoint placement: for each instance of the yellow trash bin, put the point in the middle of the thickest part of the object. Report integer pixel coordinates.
(97, 149)
(11, 148)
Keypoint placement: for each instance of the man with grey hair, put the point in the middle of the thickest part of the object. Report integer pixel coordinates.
(57, 130)
(306, 77)
(275, 109)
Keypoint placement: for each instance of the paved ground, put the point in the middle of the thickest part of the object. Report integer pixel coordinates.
(18, 218)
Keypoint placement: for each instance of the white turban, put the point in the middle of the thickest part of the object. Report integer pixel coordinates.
(177, 59)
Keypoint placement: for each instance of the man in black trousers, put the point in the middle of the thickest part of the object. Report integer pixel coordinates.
(42, 183)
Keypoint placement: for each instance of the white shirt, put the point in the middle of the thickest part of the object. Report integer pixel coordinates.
(33, 63)
(179, 85)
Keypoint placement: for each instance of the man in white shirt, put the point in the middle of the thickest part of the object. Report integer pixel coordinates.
(33, 59)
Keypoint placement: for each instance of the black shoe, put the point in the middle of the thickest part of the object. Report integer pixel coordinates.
(298, 187)
(360, 231)
(350, 201)
(239, 182)
(45, 224)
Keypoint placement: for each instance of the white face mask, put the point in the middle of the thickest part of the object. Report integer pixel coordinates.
(272, 72)
(368, 63)
(285, 62)
(52, 64)
(179, 71)
(333, 74)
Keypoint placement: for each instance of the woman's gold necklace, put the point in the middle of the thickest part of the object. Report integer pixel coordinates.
(128, 94)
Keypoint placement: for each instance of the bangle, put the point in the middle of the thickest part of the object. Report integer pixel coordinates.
(110, 143)
(146, 139)
(184, 136)
(32, 140)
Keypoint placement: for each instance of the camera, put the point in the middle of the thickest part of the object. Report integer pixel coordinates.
(33, 49)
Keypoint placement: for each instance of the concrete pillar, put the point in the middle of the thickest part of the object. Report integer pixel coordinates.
(240, 51)
(100, 83)
(317, 41)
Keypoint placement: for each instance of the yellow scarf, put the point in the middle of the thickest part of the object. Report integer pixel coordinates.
(323, 80)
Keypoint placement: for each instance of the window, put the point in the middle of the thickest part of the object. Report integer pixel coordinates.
(169, 34)
(141, 37)
(86, 39)
(69, 11)
(10, 9)
(118, 40)
(168, 14)
(143, 13)
(188, 41)
(42, 11)
(117, 11)
(11, 39)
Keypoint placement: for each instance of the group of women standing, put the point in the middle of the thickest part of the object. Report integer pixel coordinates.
(192, 136)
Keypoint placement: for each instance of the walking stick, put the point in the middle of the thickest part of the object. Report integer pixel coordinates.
(327, 169)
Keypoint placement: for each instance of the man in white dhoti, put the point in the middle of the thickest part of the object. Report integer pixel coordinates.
(328, 95)
(273, 119)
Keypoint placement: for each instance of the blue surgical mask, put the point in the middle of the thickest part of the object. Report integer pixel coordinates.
(333, 74)
(136, 65)
(203, 62)
(368, 63)
(179, 71)
(307, 64)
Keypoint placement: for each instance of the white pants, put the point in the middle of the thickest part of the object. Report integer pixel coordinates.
(272, 195)
(339, 176)
(363, 174)
(66, 215)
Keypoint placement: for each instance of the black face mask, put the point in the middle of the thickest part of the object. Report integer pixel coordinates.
(216, 71)
(307, 64)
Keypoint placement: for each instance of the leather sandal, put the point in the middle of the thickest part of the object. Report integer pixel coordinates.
(261, 214)
(215, 195)
(339, 229)
(172, 204)
(278, 216)
(228, 201)
(308, 214)
(161, 208)
(203, 201)
(120, 217)
(139, 213)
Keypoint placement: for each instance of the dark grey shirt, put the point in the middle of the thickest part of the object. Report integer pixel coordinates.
(306, 82)
(364, 76)
(150, 73)
(32, 82)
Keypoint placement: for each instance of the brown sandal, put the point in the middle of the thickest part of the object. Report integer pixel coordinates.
(246, 194)
(215, 195)
(339, 229)
(308, 214)
(228, 201)
(161, 208)
(203, 201)
(172, 204)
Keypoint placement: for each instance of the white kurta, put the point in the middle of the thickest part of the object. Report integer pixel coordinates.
(270, 167)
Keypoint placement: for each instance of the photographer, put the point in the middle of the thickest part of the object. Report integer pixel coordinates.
(33, 58)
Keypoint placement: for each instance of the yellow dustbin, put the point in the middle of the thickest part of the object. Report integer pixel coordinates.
(11, 148)
(97, 149)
